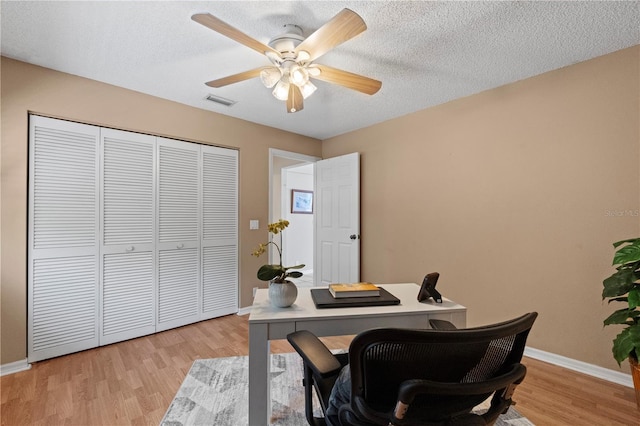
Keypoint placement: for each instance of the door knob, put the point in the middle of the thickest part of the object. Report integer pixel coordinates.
(354, 236)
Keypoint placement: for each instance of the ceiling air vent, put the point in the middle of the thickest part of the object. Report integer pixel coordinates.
(220, 100)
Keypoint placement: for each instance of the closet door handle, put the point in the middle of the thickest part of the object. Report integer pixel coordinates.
(181, 245)
(130, 248)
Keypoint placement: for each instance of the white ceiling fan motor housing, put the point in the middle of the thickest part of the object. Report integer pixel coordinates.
(287, 42)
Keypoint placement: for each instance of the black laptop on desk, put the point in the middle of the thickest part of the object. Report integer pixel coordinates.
(323, 299)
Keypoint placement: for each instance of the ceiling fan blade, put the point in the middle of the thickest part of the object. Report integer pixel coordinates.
(294, 101)
(347, 79)
(235, 78)
(342, 27)
(225, 29)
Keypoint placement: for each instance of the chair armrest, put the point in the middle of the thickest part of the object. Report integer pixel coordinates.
(499, 404)
(437, 324)
(410, 388)
(314, 353)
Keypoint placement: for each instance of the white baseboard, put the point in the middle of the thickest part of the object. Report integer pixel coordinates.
(581, 367)
(14, 367)
(244, 311)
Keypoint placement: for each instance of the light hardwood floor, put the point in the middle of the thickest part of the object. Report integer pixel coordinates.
(133, 382)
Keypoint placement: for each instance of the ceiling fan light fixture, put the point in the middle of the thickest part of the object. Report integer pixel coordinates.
(313, 71)
(281, 91)
(298, 75)
(303, 55)
(307, 89)
(270, 76)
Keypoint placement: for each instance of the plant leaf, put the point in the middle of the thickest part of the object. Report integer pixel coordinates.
(626, 342)
(294, 274)
(634, 297)
(619, 283)
(619, 243)
(269, 272)
(295, 267)
(627, 254)
(621, 316)
(618, 299)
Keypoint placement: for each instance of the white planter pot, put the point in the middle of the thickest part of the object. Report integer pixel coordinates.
(282, 295)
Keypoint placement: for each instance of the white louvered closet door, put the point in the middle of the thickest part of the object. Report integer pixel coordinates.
(129, 234)
(178, 241)
(128, 306)
(219, 231)
(63, 238)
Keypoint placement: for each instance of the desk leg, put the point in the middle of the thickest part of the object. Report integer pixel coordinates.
(259, 374)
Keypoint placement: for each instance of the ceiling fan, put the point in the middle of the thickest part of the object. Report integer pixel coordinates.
(293, 58)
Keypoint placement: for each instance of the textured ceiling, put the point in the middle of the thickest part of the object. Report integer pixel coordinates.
(424, 52)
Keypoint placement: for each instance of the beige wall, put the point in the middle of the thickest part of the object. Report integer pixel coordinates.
(508, 194)
(28, 88)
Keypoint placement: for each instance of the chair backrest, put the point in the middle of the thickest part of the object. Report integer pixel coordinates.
(381, 359)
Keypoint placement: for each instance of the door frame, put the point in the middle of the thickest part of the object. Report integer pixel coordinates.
(303, 158)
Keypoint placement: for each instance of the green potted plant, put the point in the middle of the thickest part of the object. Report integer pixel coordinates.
(282, 292)
(624, 286)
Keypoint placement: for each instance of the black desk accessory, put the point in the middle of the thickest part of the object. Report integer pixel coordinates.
(323, 299)
(428, 289)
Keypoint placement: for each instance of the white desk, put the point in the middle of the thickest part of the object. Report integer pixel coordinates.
(269, 323)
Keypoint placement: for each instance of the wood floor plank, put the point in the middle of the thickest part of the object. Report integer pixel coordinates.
(133, 382)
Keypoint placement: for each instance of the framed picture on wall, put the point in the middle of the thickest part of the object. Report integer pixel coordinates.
(301, 201)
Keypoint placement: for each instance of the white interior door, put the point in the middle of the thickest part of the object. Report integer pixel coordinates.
(63, 238)
(128, 251)
(128, 234)
(178, 241)
(219, 235)
(337, 191)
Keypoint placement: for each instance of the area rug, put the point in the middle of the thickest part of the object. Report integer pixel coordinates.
(215, 392)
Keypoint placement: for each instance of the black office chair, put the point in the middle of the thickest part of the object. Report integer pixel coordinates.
(419, 377)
